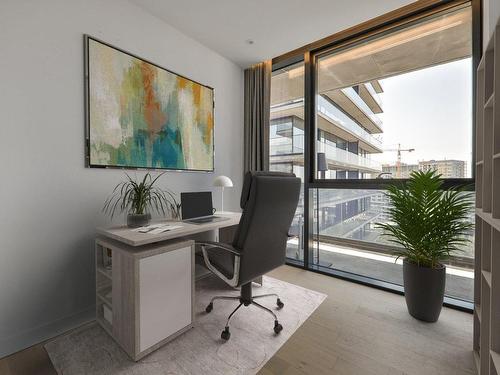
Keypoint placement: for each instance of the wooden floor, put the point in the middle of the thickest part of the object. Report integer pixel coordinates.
(357, 330)
(361, 330)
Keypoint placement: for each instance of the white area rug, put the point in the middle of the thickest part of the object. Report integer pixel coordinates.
(89, 350)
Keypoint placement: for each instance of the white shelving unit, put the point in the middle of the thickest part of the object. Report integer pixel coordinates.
(104, 288)
(487, 236)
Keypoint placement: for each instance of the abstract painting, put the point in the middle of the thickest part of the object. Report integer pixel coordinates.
(143, 116)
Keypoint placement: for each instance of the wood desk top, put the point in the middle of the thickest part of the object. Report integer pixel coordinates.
(133, 238)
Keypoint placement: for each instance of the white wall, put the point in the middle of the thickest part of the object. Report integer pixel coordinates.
(491, 15)
(49, 202)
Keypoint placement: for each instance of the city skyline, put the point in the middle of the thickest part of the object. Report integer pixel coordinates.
(447, 168)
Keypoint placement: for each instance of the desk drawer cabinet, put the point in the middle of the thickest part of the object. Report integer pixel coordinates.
(164, 296)
(147, 298)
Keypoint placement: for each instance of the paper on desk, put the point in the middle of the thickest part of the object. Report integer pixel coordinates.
(157, 228)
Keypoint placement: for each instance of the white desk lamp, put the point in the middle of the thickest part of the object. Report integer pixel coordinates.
(223, 181)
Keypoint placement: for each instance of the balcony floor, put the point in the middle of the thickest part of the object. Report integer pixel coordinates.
(459, 283)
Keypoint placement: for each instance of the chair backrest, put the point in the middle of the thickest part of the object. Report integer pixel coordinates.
(269, 201)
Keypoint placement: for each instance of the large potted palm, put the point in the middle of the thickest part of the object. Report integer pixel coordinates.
(429, 225)
(138, 198)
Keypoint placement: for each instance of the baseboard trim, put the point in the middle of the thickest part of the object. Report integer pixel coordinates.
(46, 332)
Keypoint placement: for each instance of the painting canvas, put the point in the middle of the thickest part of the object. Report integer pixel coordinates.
(143, 116)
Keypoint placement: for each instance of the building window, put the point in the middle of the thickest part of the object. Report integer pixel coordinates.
(286, 137)
(383, 106)
(401, 101)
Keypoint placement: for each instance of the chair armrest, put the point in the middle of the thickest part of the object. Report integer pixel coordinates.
(220, 245)
(205, 245)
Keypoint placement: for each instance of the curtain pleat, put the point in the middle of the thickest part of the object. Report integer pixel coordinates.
(256, 117)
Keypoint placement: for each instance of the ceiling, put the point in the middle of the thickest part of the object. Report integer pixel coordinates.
(274, 26)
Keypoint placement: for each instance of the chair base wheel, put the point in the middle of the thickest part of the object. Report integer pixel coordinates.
(280, 304)
(225, 335)
(209, 308)
(277, 327)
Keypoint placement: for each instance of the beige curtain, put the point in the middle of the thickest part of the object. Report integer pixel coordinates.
(256, 122)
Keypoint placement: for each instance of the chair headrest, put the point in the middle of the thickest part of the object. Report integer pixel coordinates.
(247, 183)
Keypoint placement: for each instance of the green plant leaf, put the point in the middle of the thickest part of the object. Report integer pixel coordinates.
(139, 197)
(427, 223)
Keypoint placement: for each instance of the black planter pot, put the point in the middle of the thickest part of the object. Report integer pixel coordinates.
(136, 221)
(424, 290)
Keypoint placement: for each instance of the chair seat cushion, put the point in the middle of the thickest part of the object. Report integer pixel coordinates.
(223, 260)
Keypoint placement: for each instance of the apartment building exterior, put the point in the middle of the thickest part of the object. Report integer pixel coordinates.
(446, 168)
(348, 134)
(348, 130)
(404, 170)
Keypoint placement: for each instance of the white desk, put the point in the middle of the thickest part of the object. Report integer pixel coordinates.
(147, 298)
(132, 238)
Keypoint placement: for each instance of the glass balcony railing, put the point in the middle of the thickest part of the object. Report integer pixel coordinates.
(360, 103)
(345, 158)
(336, 156)
(344, 216)
(349, 216)
(341, 119)
(337, 116)
(286, 145)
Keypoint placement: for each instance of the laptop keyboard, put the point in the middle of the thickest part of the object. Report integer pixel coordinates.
(202, 220)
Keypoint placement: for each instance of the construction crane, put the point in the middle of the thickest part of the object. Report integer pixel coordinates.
(399, 150)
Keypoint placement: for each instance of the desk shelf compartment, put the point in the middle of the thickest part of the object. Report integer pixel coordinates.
(104, 260)
(104, 315)
(104, 286)
(105, 295)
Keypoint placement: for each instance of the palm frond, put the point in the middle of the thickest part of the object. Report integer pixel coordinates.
(427, 223)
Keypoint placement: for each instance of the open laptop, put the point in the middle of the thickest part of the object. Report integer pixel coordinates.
(197, 208)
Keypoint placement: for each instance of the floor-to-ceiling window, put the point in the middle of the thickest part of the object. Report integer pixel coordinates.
(381, 107)
(286, 141)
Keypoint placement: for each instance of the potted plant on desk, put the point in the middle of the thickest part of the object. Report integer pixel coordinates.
(429, 224)
(139, 198)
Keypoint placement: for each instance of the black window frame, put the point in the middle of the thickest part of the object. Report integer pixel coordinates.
(308, 55)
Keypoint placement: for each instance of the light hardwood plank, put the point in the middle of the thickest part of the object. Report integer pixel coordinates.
(360, 330)
(357, 330)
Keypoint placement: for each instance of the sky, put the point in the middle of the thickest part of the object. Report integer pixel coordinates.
(429, 110)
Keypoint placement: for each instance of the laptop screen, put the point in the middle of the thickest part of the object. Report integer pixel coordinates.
(196, 204)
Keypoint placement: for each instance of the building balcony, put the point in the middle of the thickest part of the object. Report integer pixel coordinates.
(346, 238)
(350, 102)
(335, 116)
(338, 158)
(327, 255)
(291, 149)
(360, 103)
(370, 97)
(332, 120)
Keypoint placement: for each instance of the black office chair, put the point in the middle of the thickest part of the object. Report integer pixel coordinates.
(268, 200)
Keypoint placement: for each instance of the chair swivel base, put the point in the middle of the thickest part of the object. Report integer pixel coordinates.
(246, 299)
